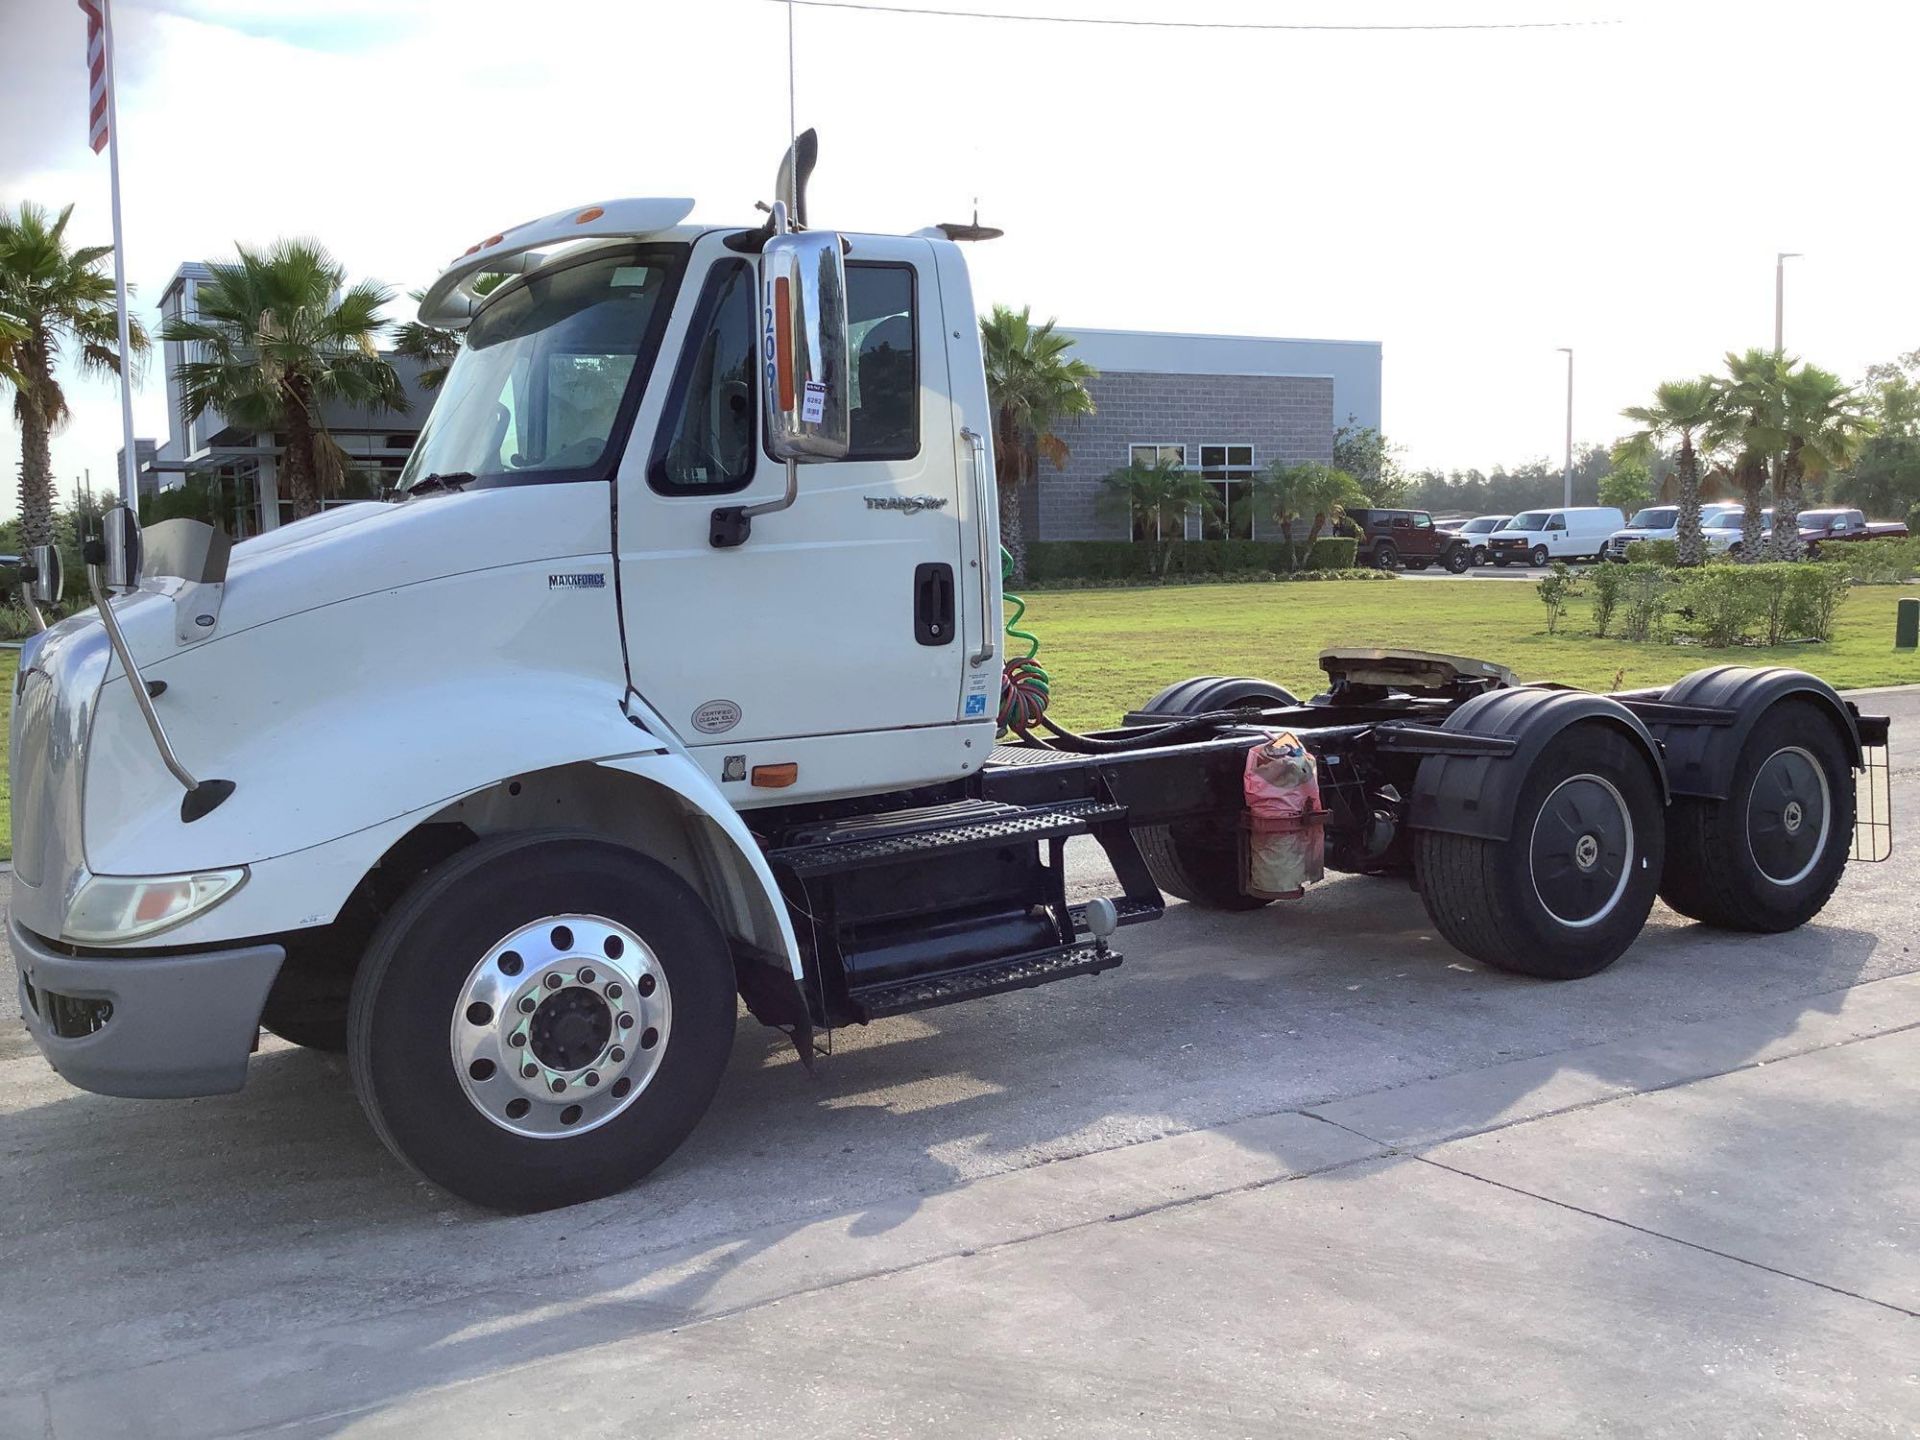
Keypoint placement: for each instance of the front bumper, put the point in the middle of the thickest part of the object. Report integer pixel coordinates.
(147, 1024)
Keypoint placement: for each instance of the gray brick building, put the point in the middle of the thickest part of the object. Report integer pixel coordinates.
(1225, 406)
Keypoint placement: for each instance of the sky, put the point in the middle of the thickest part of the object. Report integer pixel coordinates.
(1471, 199)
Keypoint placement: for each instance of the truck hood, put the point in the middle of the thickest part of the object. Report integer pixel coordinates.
(355, 550)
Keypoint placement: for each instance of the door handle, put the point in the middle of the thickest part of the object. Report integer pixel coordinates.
(933, 603)
(986, 544)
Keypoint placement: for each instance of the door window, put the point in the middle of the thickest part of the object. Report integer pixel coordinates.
(705, 444)
(882, 325)
(1557, 522)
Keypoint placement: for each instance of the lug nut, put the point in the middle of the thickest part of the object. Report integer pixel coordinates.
(586, 976)
(616, 1055)
(554, 982)
(592, 1077)
(559, 1087)
(527, 1006)
(626, 1022)
(516, 1038)
(613, 991)
(529, 1071)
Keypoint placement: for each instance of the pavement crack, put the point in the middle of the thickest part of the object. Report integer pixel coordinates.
(1663, 1235)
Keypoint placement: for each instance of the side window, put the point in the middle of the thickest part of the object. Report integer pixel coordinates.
(1423, 522)
(705, 444)
(882, 325)
(1556, 522)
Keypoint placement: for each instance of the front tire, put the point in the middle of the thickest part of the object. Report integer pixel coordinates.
(1768, 857)
(1538, 559)
(541, 1020)
(1479, 555)
(1569, 891)
(1457, 560)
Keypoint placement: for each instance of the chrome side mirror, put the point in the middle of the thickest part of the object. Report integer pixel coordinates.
(118, 553)
(803, 346)
(46, 578)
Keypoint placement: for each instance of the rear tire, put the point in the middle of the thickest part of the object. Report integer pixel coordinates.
(1385, 557)
(1768, 857)
(1566, 895)
(1200, 862)
(447, 1094)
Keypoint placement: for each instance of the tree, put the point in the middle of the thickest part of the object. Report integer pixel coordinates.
(1884, 478)
(1309, 491)
(1826, 426)
(432, 346)
(1032, 385)
(1156, 499)
(281, 337)
(53, 301)
(1682, 410)
(1749, 422)
(1629, 486)
(1370, 458)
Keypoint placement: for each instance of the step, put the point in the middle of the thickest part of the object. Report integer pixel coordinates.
(1132, 912)
(996, 977)
(1007, 825)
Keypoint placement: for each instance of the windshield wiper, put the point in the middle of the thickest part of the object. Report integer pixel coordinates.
(454, 480)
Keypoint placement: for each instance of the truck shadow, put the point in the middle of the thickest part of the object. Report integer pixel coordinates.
(185, 1237)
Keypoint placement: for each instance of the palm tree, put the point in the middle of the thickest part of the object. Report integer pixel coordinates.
(1681, 410)
(51, 298)
(1032, 385)
(1749, 420)
(1156, 499)
(1311, 491)
(1827, 424)
(432, 346)
(280, 338)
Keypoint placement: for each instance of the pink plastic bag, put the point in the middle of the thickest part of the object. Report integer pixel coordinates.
(1284, 848)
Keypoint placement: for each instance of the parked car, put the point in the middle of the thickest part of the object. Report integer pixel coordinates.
(1662, 522)
(1575, 532)
(1728, 533)
(1390, 538)
(1819, 527)
(1476, 531)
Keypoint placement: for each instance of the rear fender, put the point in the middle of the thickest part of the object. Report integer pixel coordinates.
(1477, 795)
(1701, 758)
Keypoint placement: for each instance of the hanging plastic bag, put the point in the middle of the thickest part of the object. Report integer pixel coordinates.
(1284, 820)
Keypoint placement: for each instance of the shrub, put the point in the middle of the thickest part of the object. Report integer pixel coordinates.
(1722, 602)
(1813, 594)
(1609, 584)
(1875, 562)
(1646, 593)
(1765, 603)
(1555, 589)
(1654, 552)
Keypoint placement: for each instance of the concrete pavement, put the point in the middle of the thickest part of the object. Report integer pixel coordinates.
(1302, 1171)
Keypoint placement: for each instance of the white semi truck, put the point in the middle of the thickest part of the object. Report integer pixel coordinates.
(673, 680)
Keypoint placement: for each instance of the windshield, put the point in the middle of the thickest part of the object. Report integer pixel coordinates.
(1659, 517)
(1532, 520)
(1481, 525)
(548, 374)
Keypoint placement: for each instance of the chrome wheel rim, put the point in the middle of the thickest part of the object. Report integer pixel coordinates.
(1789, 813)
(1581, 852)
(561, 1026)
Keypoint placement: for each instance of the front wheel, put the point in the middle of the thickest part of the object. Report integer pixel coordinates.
(1457, 560)
(1385, 557)
(1768, 857)
(1479, 555)
(541, 1020)
(1569, 890)
(1538, 559)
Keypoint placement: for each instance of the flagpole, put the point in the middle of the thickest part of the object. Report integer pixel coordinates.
(130, 461)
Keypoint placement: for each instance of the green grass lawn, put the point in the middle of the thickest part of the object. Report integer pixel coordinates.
(1110, 650)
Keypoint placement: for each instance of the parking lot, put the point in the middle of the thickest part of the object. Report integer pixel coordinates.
(1301, 1170)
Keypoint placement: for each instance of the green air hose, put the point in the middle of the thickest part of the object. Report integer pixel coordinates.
(1024, 684)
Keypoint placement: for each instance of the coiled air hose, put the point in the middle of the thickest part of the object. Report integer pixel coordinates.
(1026, 689)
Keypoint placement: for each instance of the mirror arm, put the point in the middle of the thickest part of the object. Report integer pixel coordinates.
(201, 797)
(732, 524)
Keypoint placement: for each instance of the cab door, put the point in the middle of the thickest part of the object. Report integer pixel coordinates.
(838, 615)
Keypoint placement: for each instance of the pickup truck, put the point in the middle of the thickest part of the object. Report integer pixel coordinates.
(1817, 527)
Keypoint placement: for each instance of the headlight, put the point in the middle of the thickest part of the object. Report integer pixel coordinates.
(114, 908)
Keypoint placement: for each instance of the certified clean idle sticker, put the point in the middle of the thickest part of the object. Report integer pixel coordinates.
(716, 717)
(813, 406)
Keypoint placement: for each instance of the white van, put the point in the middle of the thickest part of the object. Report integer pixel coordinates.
(1578, 532)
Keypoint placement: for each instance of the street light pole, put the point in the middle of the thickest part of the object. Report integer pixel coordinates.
(1780, 298)
(1568, 498)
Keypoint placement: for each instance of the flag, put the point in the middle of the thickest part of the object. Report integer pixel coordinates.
(95, 11)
